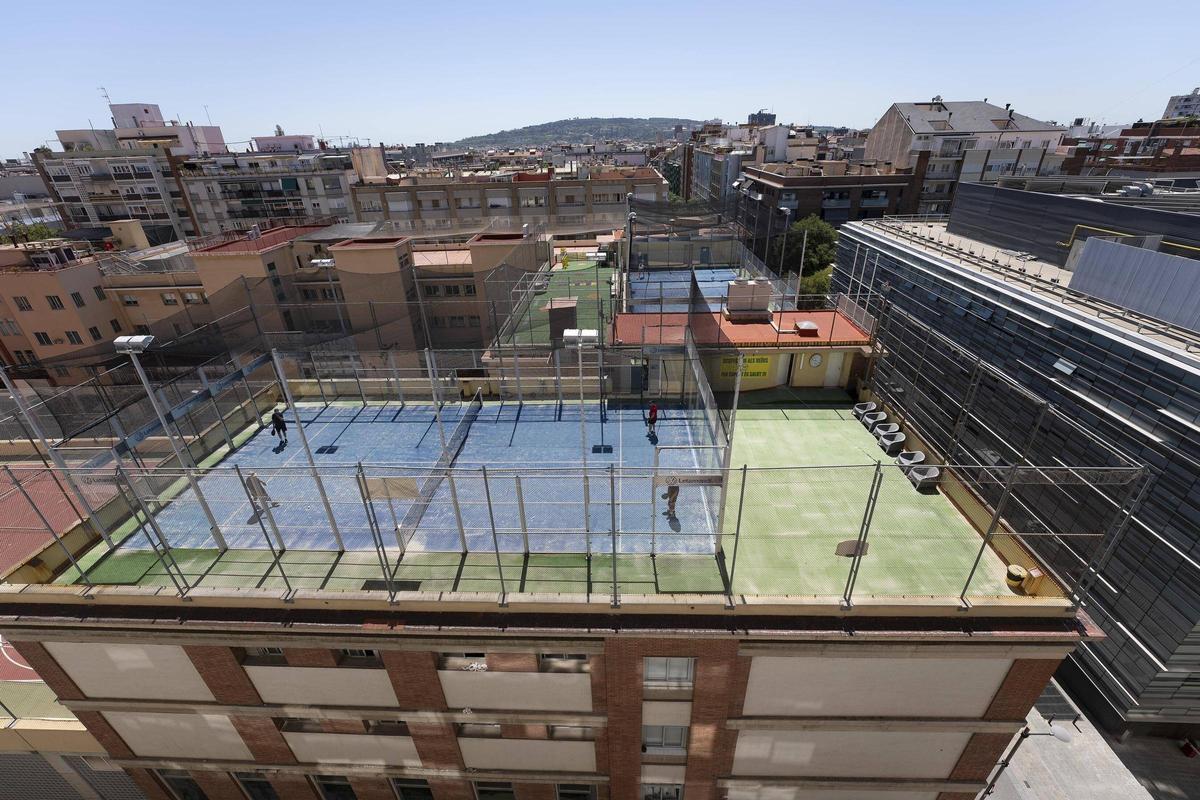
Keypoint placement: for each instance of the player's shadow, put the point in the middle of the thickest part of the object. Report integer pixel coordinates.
(653, 437)
(279, 448)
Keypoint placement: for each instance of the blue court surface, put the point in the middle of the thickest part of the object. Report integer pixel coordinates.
(671, 289)
(535, 485)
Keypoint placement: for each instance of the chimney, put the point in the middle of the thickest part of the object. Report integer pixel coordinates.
(1006, 105)
(1010, 113)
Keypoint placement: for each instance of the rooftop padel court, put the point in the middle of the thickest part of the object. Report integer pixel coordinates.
(672, 290)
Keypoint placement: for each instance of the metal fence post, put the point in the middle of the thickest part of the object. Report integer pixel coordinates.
(521, 511)
(376, 535)
(1009, 477)
(164, 554)
(312, 464)
(861, 543)
(654, 504)
(220, 417)
(517, 373)
(46, 524)
(612, 503)
(391, 357)
(462, 531)
(558, 380)
(495, 540)
(727, 456)
(737, 533)
(361, 394)
(317, 375)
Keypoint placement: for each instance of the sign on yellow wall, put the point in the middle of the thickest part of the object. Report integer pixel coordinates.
(755, 366)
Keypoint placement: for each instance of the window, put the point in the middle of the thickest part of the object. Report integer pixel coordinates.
(661, 791)
(469, 290)
(432, 291)
(458, 321)
(452, 290)
(74, 338)
(129, 300)
(263, 656)
(56, 303)
(8, 327)
(62, 372)
(169, 299)
(493, 790)
(387, 727)
(22, 303)
(668, 670)
(664, 739)
(42, 337)
(180, 784)
(354, 657)
(572, 733)
(116, 326)
(334, 787)
(77, 298)
(299, 725)
(412, 789)
(576, 791)
(141, 330)
(94, 332)
(256, 786)
(99, 293)
(473, 320)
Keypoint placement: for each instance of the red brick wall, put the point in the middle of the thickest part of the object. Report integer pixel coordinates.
(414, 680)
(343, 726)
(535, 791)
(293, 787)
(980, 755)
(512, 662)
(436, 744)
(372, 789)
(217, 785)
(104, 733)
(1026, 679)
(223, 675)
(263, 740)
(147, 783)
(304, 657)
(452, 790)
(718, 676)
(48, 670)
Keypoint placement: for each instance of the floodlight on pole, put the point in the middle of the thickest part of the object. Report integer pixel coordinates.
(787, 216)
(132, 346)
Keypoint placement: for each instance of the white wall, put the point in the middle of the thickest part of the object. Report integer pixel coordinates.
(794, 793)
(333, 686)
(526, 691)
(179, 735)
(848, 754)
(316, 748)
(528, 754)
(666, 712)
(142, 671)
(872, 687)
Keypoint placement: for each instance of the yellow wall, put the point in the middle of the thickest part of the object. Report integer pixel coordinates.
(766, 369)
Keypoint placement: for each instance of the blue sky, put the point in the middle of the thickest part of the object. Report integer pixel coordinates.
(405, 72)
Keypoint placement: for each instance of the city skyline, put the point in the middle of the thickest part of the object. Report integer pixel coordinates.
(343, 85)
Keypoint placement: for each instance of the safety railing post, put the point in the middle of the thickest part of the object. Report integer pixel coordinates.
(737, 533)
(861, 542)
(993, 524)
(612, 502)
(521, 511)
(46, 524)
(364, 492)
(495, 539)
(317, 376)
(312, 464)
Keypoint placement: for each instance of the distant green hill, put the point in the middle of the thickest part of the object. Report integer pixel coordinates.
(577, 130)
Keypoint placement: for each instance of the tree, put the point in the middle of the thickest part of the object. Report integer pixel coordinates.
(819, 252)
(18, 232)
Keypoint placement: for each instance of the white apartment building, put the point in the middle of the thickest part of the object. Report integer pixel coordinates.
(1183, 105)
(1000, 142)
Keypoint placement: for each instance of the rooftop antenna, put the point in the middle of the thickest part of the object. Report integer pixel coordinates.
(104, 94)
(206, 116)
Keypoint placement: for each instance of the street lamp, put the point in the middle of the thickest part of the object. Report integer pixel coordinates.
(1060, 733)
(132, 346)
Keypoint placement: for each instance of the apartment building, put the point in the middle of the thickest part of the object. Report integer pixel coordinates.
(967, 141)
(102, 175)
(1183, 105)
(835, 191)
(1090, 302)
(1150, 149)
(547, 197)
(240, 191)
